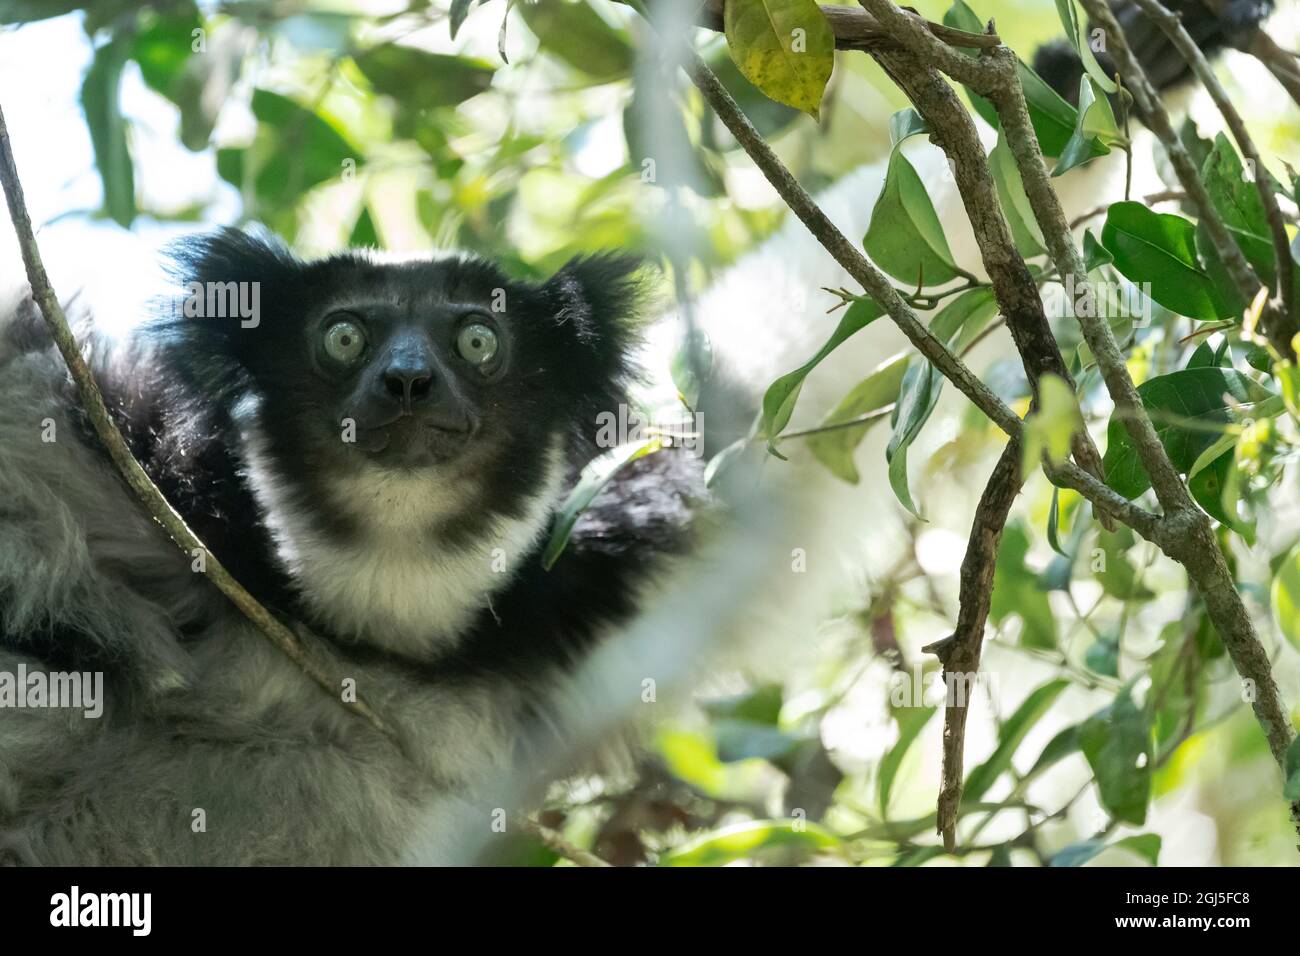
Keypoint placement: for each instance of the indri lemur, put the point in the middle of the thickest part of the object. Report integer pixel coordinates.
(380, 455)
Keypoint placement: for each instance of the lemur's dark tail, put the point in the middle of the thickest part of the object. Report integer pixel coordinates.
(1213, 24)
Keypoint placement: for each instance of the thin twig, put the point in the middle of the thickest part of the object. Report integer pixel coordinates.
(1164, 195)
(844, 251)
(1283, 64)
(556, 843)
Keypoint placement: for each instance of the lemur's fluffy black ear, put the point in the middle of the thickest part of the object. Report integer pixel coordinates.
(600, 295)
(598, 301)
(211, 348)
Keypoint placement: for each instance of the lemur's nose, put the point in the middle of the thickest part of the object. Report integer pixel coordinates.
(409, 382)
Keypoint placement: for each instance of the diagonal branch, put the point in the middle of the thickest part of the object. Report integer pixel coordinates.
(157, 506)
(845, 252)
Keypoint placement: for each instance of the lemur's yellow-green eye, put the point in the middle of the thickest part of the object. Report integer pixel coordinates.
(344, 342)
(477, 344)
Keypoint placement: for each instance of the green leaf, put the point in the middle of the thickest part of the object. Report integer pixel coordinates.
(296, 148)
(784, 47)
(1095, 255)
(748, 740)
(1054, 527)
(1052, 117)
(29, 11)
(1016, 591)
(917, 398)
(199, 85)
(1233, 195)
(363, 232)
(1189, 409)
(1238, 203)
(911, 721)
(691, 366)
(1058, 748)
(1291, 771)
(1102, 657)
(1159, 248)
(1145, 845)
(1015, 204)
(906, 122)
(1116, 573)
(1069, 14)
(1010, 736)
(761, 705)
(578, 35)
(594, 477)
(905, 237)
(723, 460)
(459, 11)
(1117, 744)
(1094, 127)
(1077, 854)
(420, 80)
(161, 46)
(743, 841)
(101, 101)
(835, 449)
(780, 397)
(956, 324)
(1286, 597)
(1052, 426)
(1209, 486)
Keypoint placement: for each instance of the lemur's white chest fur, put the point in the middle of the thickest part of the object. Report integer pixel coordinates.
(392, 588)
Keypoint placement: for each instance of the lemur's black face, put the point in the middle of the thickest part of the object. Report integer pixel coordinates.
(350, 368)
(413, 384)
(415, 380)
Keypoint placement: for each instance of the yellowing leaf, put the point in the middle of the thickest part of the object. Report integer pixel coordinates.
(784, 47)
(1050, 429)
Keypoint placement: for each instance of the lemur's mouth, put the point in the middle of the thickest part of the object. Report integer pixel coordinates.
(411, 440)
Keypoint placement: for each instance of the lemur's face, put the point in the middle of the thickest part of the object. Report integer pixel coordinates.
(415, 385)
(419, 376)
(354, 366)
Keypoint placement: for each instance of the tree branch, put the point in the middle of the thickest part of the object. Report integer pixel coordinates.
(155, 505)
(1018, 298)
(1284, 66)
(960, 653)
